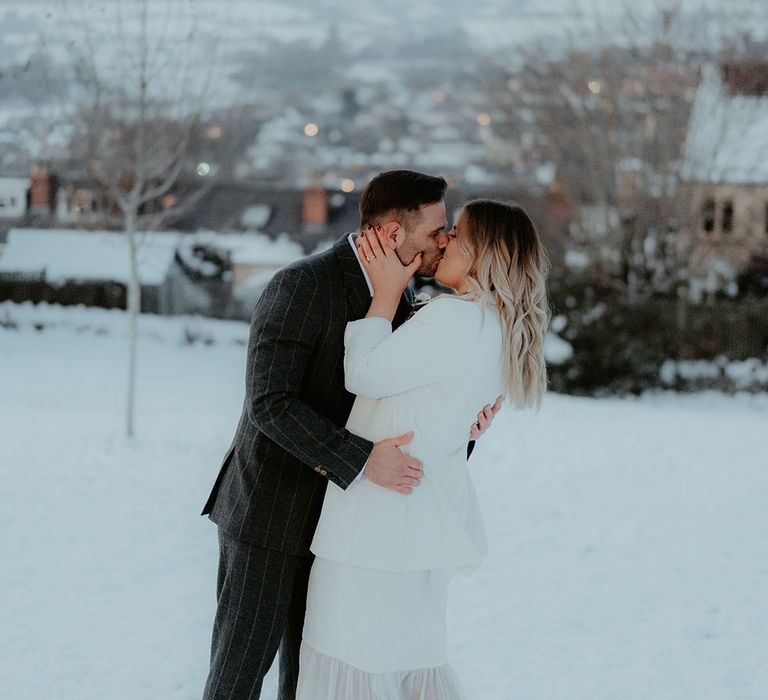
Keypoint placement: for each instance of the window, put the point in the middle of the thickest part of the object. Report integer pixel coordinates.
(727, 226)
(708, 216)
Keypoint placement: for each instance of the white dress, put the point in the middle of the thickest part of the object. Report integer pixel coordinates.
(375, 626)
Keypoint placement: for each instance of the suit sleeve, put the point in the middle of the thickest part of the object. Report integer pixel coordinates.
(380, 363)
(284, 331)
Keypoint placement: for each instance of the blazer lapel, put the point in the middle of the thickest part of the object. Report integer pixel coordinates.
(358, 296)
(404, 308)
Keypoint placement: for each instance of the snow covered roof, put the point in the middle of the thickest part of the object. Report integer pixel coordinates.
(727, 138)
(252, 248)
(87, 255)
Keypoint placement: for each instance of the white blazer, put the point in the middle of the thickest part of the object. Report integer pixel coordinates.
(431, 376)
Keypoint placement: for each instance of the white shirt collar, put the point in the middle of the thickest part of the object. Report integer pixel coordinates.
(352, 238)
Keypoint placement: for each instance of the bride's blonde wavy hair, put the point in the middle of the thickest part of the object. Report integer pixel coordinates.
(509, 269)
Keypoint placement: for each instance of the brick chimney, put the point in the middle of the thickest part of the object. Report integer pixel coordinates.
(41, 191)
(746, 78)
(315, 207)
(558, 206)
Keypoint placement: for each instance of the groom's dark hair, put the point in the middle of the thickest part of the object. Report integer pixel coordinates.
(399, 194)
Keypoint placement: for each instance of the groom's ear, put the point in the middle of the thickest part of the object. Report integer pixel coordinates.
(393, 234)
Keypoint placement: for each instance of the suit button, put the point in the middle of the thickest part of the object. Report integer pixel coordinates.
(318, 470)
(323, 472)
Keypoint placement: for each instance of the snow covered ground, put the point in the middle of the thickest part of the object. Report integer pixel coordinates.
(629, 554)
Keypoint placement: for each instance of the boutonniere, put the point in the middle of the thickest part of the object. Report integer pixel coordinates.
(419, 302)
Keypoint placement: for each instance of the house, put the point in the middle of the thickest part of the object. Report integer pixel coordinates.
(43, 199)
(310, 215)
(205, 273)
(226, 246)
(724, 176)
(244, 262)
(79, 203)
(85, 267)
(14, 192)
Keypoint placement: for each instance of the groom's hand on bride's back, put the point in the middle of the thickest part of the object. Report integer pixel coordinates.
(391, 468)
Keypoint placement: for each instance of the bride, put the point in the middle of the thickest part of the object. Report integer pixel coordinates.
(375, 626)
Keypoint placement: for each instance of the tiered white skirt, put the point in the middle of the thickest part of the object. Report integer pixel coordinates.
(375, 635)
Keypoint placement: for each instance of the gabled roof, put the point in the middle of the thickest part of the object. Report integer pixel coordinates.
(727, 140)
(223, 206)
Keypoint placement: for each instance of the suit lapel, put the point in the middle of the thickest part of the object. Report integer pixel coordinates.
(358, 296)
(404, 308)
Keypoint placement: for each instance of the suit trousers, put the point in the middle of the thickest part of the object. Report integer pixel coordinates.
(261, 600)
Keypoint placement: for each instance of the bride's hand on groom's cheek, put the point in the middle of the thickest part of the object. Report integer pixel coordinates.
(387, 273)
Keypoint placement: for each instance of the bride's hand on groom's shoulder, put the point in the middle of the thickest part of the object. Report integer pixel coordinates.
(388, 275)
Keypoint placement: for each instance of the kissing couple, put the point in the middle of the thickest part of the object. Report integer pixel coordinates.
(344, 506)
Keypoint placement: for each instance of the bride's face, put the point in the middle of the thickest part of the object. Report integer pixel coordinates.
(453, 267)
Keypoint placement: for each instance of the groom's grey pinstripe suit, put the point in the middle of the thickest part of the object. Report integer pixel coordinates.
(267, 498)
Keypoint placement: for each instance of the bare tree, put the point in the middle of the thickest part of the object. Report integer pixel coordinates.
(142, 86)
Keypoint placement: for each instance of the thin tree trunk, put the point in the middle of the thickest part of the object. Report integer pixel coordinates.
(131, 212)
(134, 307)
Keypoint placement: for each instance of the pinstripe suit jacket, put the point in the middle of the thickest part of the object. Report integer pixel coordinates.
(291, 437)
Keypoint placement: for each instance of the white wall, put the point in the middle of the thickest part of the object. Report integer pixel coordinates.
(13, 197)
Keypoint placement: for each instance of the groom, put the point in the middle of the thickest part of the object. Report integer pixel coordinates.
(291, 438)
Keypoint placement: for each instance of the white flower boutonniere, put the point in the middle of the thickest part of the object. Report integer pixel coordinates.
(419, 302)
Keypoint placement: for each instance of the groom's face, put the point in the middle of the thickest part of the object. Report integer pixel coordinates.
(426, 235)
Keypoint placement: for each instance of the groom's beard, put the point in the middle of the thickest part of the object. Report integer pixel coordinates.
(429, 265)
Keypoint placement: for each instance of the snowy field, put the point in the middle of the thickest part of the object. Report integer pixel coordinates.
(629, 538)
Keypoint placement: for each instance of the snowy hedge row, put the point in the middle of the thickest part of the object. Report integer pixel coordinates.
(97, 321)
(587, 363)
(695, 375)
